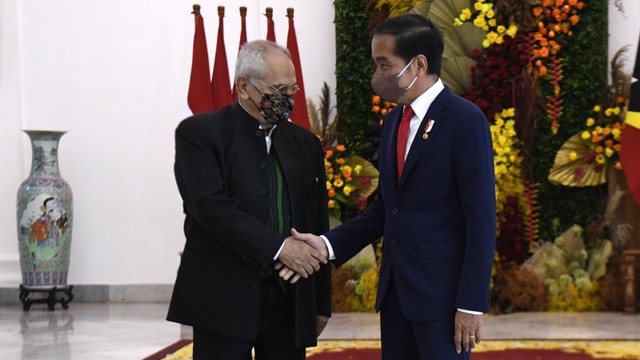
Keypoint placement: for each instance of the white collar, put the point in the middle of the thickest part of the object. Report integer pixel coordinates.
(422, 103)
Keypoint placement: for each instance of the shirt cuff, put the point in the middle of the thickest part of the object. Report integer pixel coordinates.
(470, 311)
(279, 250)
(332, 255)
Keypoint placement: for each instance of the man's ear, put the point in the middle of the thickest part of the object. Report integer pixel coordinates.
(242, 85)
(422, 63)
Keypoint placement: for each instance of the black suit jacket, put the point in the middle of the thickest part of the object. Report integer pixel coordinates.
(222, 174)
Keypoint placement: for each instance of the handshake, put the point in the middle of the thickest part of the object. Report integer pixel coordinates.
(301, 256)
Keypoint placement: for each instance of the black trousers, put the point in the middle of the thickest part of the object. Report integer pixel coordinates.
(274, 340)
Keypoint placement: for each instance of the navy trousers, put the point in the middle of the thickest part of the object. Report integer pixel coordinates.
(403, 339)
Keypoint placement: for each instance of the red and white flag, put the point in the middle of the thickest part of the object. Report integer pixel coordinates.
(199, 95)
(220, 86)
(271, 33)
(243, 40)
(630, 141)
(300, 115)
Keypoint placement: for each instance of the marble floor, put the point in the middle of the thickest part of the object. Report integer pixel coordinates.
(121, 331)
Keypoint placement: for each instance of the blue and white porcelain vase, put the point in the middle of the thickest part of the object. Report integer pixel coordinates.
(45, 216)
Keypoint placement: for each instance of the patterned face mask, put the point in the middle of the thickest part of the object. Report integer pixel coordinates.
(275, 107)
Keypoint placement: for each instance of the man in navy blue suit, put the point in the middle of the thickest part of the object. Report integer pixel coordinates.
(437, 205)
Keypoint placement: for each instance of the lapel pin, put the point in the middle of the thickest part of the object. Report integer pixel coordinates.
(427, 128)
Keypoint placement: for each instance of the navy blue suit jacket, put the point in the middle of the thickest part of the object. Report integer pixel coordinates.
(438, 220)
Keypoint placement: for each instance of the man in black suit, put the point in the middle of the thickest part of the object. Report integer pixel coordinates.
(247, 176)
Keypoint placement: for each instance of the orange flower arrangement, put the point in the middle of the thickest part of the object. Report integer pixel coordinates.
(603, 135)
(555, 19)
(381, 107)
(582, 160)
(350, 180)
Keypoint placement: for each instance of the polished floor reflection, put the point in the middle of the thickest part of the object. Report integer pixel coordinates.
(133, 331)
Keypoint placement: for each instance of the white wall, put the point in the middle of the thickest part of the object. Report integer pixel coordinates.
(624, 29)
(114, 74)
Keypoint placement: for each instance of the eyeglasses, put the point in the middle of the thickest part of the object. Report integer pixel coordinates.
(283, 89)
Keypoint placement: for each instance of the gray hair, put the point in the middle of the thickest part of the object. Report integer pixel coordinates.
(250, 63)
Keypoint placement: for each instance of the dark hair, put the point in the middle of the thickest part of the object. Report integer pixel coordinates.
(415, 35)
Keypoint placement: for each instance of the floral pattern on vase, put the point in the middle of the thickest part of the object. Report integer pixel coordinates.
(44, 216)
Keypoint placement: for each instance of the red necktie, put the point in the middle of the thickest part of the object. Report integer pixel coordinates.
(403, 132)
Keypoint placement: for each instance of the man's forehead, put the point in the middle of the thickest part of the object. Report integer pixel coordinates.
(383, 46)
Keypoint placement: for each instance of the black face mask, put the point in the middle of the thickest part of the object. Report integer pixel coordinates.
(275, 108)
(387, 86)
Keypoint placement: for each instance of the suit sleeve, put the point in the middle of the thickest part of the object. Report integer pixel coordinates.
(475, 177)
(323, 277)
(199, 174)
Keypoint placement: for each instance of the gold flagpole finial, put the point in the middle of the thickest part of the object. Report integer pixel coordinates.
(196, 13)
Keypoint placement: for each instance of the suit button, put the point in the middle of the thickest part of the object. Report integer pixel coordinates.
(263, 164)
(262, 192)
(394, 242)
(394, 211)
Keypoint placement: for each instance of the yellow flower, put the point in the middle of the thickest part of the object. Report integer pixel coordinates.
(513, 29)
(491, 22)
(478, 5)
(346, 171)
(501, 29)
(347, 190)
(328, 185)
(486, 43)
(600, 159)
(479, 22)
(499, 122)
(608, 112)
(357, 169)
(609, 152)
(511, 112)
(502, 139)
(457, 22)
(615, 133)
(466, 14)
(590, 122)
(573, 156)
(490, 13)
(338, 183)
(585, 135)
(492, 36)
(597, 108)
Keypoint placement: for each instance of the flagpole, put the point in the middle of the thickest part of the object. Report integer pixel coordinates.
(243, 40)
(220, 83)
(196, 14)
(271, 33)
(300, 115)
(199, 92)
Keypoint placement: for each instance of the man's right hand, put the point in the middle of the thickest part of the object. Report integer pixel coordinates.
(301, 256)
(315, 241)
